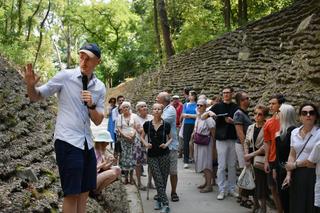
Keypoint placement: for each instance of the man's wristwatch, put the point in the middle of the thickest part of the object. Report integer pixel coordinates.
(93, 106)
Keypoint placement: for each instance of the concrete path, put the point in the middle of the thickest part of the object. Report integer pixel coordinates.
(191, 201)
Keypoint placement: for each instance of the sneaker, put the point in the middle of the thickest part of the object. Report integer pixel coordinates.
(186, 166)
(234, 194)
(165, 209)
(157, 205)
(220, 196)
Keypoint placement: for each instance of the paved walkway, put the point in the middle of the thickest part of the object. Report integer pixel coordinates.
(191, 201)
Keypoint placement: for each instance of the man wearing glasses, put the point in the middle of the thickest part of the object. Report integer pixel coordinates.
(226, 138)
(242, 121)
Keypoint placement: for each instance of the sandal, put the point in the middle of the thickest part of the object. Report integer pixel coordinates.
(142, 188)
(202, 186)
(156, 197)
(126, 181)
(174, 197)
(246, 203)
(239, 200)
(206, 189)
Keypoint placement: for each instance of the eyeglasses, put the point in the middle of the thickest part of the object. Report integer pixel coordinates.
(310, 113)
(199, 105)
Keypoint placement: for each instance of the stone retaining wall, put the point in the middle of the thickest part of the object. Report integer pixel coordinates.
(279, 53)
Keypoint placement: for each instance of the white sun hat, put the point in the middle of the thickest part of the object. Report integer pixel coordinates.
(102, 136)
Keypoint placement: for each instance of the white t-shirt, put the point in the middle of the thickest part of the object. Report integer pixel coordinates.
(127, 125)
(315, 158)
(297, 142)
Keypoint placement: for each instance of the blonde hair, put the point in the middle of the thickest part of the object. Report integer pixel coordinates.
(288, 118)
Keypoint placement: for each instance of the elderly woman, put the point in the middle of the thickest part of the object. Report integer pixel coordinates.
(203, 153)
(253, 146)
(159, 138)
(139, 151)
(300, 178)
(127, 136)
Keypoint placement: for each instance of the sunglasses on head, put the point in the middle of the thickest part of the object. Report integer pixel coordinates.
(310, 113)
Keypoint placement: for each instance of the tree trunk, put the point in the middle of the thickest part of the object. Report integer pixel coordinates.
(40, 30)
(156, 28)
(68, 39)
(58, 53)
(165, 28)
(12, 18)
(20, 20)
(68, 47)
(227, 14)
(30, 21)
(240, 13)
(245, 11)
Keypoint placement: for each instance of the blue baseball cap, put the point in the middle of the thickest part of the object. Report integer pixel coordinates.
(91, 50)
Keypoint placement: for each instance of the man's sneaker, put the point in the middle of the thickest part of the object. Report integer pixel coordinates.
(220, 196)
(186, 166)
(157, 205)
(234, 194)
(165, 209)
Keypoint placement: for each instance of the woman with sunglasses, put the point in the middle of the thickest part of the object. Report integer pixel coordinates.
(253, 146)
(288, 122)
(159, 138)
(203, 153)
(300, 178)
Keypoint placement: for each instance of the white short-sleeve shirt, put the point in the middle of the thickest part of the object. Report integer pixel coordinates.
(297, 142)
(315, 158)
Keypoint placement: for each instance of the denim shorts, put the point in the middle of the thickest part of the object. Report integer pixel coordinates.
(77, 168)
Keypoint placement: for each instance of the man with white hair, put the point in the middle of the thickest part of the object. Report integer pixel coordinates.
(169, 115)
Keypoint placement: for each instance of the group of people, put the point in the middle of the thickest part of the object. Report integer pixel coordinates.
(147, 138)
(280, 146)
(218, 136)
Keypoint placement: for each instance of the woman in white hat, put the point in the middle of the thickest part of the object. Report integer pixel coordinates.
(106, 173)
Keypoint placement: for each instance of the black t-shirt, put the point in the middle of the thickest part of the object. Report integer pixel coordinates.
(256, 133)
(283, 146)
(156, 138)
(224, 130)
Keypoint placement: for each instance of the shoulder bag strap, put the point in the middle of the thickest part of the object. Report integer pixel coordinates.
(305, 144)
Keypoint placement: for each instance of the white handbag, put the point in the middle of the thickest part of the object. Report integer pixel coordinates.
(246, 178)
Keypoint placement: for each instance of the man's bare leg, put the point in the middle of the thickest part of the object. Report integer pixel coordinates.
(70, 203)
(82, 202)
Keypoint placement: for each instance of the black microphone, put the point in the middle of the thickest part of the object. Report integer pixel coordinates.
(85, 84)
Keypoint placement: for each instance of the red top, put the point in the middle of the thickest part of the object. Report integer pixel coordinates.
(179, 107)
(271, 127)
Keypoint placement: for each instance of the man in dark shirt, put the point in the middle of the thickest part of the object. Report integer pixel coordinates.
(226, 138)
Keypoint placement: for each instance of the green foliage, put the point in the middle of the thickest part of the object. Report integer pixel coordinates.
(123, 29)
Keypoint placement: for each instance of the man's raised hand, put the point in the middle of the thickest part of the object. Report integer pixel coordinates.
(30, 77)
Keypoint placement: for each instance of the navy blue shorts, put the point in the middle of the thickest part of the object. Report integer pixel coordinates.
(77, 168)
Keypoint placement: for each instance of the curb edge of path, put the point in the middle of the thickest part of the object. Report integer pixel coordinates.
(134, 199)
